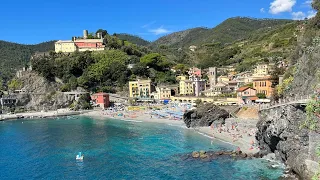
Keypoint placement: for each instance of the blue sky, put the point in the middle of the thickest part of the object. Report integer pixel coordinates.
(35, 21)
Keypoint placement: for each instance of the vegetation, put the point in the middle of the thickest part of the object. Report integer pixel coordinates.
(261, 95)
(14, 56)
(133, 39)
(104, 70)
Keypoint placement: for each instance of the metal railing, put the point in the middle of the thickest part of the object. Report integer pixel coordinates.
(286, 101)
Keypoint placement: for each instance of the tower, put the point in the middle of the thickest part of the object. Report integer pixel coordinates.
(85, 34)
(212, 76)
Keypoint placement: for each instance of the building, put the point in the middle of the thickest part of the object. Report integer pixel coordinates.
(262, 70)
(140, 89)
(223, 79)
(218, 89)
(263, 85)
(212, 75)
(80, 44)
(186, 86)
(195, 72)
(163, 93)
(199, 86)
(101, 99)
(246, 95)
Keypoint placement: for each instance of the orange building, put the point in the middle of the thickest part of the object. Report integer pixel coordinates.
(101, 99)
(263, 85)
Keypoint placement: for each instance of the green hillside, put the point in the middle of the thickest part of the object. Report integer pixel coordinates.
(133, 39)
(232, 29)
(264, 45)
(13, 56)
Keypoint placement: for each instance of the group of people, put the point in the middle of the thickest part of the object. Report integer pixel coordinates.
(233, 130)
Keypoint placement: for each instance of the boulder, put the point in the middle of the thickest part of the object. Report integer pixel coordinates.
(195, 154)
(205, 115)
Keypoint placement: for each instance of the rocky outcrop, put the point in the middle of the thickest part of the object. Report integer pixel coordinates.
(204, 115)
(280, 131)
(39, 94)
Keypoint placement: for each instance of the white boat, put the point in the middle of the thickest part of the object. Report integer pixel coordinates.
(79, 156)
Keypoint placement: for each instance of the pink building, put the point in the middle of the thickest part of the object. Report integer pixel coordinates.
(246, 95)
(195, 72)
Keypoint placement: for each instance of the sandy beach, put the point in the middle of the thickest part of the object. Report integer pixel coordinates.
(140, 117)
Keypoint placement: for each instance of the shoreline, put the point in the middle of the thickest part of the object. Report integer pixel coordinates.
(40, 115)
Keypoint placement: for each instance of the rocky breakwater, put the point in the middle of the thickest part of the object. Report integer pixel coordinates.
(211, 155)
(280, 132)
(204, 115)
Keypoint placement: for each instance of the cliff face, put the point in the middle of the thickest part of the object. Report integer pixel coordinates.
(40, 94)
(204, 115)
(280, 132)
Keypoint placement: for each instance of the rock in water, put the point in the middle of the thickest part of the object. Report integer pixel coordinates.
(195, 154)
(203, 154)
(204, 115)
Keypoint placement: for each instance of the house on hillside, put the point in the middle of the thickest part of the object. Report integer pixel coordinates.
(246, 95)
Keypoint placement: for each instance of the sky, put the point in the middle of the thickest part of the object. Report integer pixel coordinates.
(36, 21)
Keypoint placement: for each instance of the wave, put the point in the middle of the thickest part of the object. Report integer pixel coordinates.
(132, 121)
(205, 135)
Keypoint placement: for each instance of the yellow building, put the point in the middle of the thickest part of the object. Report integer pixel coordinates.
(140, 89)
(65, 46)
(186, 87)
(162, 93)
(223, 79)
(262, 70)
(81, 44)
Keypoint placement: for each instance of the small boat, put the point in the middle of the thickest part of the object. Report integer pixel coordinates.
(79, 156)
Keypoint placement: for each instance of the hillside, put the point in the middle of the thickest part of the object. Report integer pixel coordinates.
(133, 39)
(242, 42)
(14, 56)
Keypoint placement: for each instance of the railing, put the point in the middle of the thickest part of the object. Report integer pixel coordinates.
(286, 101)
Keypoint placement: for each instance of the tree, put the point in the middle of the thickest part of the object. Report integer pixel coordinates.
(155, 61)
(102, 31)
(15, 84)
(316, 4)
(261, 95)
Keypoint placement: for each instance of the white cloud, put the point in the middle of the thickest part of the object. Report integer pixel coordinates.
(262, 10)
(298, 15)
(301, 15)
(160, 30)
(149, 24)
(279, 6)
(308, 2)
(311, 14)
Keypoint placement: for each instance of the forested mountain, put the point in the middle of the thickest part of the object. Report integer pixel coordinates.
(133, 39)
(14, 56)
(232, 29)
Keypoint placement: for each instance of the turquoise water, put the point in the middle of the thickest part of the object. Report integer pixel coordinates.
(46, 149)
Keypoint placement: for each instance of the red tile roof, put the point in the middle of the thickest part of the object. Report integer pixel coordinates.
(99, 94)
(243, 89)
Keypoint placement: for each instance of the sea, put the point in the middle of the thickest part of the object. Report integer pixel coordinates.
(115, 149)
